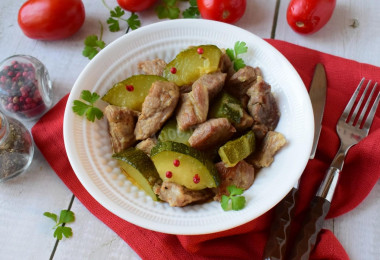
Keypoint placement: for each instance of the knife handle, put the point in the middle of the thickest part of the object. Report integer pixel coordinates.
(275, 248)
(310, 228)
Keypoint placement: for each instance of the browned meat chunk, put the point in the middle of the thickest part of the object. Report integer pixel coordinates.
(245, 122)
(226, 65)
(158, 106)
(242, 80)
(241, 175)
(153, 67)
(211, 133)
(193, 107)
(214, 83)
(272, 142)
(178, 196)
(121, 125)
(263, 108)
(147, 145)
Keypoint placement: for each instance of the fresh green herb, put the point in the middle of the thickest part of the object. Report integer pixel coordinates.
(66, 216)
(192, 11)
(239, 48)
(168, 9)
(81, 108)
(117, 14)
(93, 44)
(133, 21)
(113, 20)
(234, 201)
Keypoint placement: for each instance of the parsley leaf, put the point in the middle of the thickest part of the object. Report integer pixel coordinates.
(239, 48)
(82, 108)
(234, 201)
(66, 216)
(113, 20)
(168, 9)
(133, 21)
(192, 11)
(93, 44)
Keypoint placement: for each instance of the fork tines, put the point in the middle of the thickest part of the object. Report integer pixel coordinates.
(354, 119)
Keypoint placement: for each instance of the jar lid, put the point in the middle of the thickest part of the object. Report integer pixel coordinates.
(25, 87)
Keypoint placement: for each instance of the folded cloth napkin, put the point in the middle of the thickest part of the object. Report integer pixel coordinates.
(358, 177)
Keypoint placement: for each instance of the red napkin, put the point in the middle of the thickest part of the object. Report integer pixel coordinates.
(360, 173)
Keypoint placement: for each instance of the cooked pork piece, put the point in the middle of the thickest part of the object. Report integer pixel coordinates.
(226, 65)
(242, 80)
(158, 106)
(245, 122)
(263, 108)
(211, 133)
(147, 145)
(178, 196)
(193, 107)
(214, 83)
(272, 142)
(153, 67)
(241, 175)
(121, 125)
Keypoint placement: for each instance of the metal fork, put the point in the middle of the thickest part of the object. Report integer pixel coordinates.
(351, 128)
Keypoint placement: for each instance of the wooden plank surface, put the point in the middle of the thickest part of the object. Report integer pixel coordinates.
(26, 234)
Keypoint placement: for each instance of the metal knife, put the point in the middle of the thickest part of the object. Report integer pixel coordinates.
(276, 246)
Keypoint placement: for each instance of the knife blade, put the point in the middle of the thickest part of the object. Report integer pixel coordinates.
(276, 245)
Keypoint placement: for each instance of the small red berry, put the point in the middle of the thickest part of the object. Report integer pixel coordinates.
(129, 88)
(168, 174)
(200, 50)
(196, 179)
(176, 162)
(173, 70)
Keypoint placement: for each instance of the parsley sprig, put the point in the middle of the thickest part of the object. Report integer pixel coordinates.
(239, 48)
(93, 44)
(60, 230)
(192, 11)
(234, 201)
(117, 15)
(88, 109)
(168, 9)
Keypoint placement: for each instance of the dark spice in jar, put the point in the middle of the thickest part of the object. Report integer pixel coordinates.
(16, 148)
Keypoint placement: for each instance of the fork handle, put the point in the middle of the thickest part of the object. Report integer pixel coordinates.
(315, 216)
(275, 248)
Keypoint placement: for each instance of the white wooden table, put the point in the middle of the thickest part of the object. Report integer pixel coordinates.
(26, 234)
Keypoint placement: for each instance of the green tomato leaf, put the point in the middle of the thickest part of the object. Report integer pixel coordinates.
(52, 216)
(66, 216)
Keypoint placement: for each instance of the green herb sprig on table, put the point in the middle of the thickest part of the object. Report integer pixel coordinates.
(93, 44)
(88, 109)
(60, 230)
(234, 201)
(239, 48)
(192, 11)
(168, 9)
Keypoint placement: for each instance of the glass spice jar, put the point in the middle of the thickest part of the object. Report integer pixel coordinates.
(16, 148)
(25, 87)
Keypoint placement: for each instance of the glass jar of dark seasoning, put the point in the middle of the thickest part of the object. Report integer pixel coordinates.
(16, 148)
(25, 87)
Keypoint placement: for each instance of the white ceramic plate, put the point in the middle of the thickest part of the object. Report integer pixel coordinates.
(88, 145)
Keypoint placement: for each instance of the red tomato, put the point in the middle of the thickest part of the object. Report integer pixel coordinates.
(309, 16)
(51, 19)
(135, 5)
(228, 11)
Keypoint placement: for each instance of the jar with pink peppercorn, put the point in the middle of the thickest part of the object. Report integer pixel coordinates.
(25, 87)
